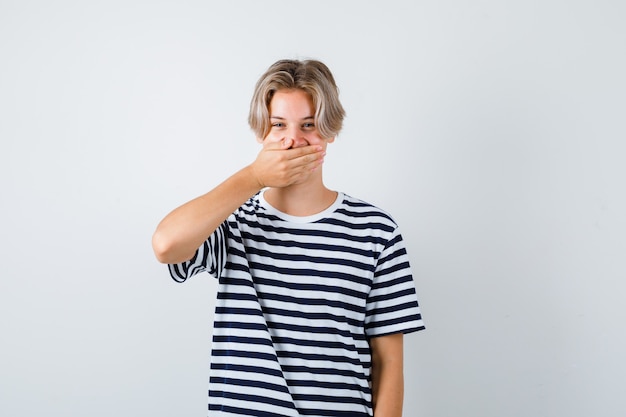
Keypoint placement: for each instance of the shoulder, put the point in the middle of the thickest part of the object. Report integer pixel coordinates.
(249, 208)
(360, 209)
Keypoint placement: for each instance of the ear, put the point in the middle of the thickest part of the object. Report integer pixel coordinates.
(331, 140)
(260, 140)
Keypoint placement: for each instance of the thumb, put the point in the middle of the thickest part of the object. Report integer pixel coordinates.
(287, 143)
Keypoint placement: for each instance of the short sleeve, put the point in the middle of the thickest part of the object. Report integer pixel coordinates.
(392, 305)
(210, 257)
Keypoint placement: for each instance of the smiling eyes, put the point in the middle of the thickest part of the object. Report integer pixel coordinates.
(305, 126)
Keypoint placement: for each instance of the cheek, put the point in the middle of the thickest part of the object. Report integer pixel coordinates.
(312, 138)
(315, 139)
(273, 137)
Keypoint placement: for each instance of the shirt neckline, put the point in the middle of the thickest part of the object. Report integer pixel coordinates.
(301, 219)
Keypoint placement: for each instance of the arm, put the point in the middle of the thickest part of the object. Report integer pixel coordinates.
(387, 375)
(183, 230)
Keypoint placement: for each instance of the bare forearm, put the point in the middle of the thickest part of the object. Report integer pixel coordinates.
(387, 375)
(388, 392)
(181, 232)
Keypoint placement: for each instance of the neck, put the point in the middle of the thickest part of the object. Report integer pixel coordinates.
(301, 200)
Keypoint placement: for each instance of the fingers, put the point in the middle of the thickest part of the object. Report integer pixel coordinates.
(290, 152)
(277, 166)
(315, 151)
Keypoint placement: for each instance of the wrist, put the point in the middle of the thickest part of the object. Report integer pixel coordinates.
(255, 178)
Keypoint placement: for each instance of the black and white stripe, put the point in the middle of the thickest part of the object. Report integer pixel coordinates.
(298, 299)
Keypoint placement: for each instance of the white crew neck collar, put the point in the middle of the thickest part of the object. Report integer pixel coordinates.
(301, 219)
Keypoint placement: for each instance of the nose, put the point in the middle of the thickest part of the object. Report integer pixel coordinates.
(298, 137)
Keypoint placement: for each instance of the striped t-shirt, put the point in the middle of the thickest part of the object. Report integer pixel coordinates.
(298, 298)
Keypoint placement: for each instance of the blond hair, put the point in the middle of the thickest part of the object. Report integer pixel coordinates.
(311, 76)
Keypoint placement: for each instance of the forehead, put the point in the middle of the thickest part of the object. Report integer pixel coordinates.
(291, 101)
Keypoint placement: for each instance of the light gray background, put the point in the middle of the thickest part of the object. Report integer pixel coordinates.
(493, 131)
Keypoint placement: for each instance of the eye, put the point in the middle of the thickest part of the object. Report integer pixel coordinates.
(308, 126)
(278, 124)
